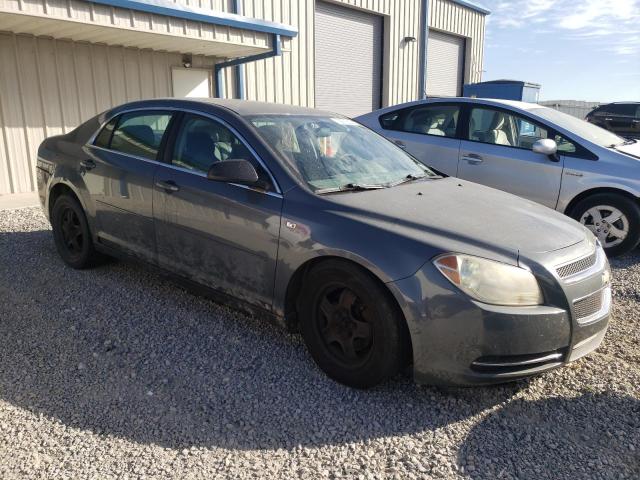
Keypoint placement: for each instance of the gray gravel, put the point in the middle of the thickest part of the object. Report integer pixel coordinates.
(118, 373)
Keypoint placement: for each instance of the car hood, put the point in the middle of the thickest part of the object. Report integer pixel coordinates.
(631, 149)
(455, 215)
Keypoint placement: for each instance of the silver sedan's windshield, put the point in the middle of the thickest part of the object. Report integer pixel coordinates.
(335, 153)
(584, 129)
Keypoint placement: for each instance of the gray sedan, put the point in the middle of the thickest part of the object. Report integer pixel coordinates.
(532, 151)
(313, 221)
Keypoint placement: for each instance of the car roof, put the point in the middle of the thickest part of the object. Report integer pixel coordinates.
(248, 108)
(481, 101)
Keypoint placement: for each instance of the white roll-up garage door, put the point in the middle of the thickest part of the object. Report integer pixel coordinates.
(348, 47)
(445, 64)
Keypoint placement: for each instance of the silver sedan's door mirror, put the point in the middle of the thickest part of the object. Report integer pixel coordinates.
(547, 147)
(233, 171)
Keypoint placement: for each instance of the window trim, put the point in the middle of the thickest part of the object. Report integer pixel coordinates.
(406, 110)
(171, 132)
(581, 152)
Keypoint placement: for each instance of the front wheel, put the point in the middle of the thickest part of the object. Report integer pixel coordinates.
(613, 218)
(352, 328)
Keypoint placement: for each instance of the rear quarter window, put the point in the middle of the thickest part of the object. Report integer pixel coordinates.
(103, 139)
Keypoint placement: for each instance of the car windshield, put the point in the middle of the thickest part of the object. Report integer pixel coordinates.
(335, 153)
(582, 128)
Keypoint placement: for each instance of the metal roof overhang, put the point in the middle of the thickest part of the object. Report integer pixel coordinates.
(153, 24)
(473, 6)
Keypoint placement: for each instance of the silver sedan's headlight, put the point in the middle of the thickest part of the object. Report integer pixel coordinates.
(489, 281)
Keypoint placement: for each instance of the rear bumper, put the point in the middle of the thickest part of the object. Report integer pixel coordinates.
(458, 341)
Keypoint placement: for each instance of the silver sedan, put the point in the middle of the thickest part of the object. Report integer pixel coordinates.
(532, 151)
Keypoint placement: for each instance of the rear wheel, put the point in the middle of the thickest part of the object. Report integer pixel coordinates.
(71, 233)
(613, 218)
(351, 326)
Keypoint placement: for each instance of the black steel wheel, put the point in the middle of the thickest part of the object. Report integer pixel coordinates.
(71, 233)
(343, 322)
(352, 327)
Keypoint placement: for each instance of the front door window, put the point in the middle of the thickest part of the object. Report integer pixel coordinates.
(497, 127)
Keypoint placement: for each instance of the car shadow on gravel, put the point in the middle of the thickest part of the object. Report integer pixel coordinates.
(120, 351)
(561, 437)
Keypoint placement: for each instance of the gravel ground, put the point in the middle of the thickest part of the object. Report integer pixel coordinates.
(118, 373)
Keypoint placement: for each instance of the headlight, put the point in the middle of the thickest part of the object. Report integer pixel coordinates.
(489, 281)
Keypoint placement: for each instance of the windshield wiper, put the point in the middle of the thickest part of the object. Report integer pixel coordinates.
(410, 178)
(350, 187)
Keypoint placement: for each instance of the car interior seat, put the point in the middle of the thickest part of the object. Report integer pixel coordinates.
(434, 129)
(497, 133)
(138, 137)
(198, 151)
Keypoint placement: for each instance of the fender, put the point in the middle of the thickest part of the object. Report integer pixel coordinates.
(286, 269)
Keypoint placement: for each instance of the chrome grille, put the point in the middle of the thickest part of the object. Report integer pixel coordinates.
(578, 266)
(587, 306)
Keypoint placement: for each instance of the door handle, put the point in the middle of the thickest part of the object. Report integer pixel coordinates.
(168, 186)
(400, 144)
(88, 164)
(608, 119)
(473, 159)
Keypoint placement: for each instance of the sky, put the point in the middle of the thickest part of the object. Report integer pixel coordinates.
(576, 49)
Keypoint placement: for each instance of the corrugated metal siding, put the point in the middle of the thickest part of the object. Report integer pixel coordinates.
(86, 21)
(290, 78)
(50, 86)
(57, 84)
(450, 17)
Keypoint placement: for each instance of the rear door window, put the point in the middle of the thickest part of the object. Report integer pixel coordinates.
(437, 120)
(140, 133)
(622, 109)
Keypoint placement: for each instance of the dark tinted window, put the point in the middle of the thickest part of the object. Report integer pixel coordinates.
(104, 137)
(140, 133)
(202, 142)
(438, 120)
(627, 109)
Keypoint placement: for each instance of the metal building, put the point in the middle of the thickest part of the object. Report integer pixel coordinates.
(63, 61)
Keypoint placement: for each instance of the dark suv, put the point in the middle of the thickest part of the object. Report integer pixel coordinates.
(620, 118)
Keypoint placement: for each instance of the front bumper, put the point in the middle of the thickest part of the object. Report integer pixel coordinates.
(459, 341)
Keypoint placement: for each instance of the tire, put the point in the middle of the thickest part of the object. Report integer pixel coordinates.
(353, 329)
(71, 234)
(608, 205)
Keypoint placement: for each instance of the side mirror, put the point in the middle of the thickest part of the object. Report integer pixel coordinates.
(547, 147)
(233, 171)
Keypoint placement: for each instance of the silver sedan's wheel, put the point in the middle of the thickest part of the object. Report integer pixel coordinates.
(607, 223)
(613, 218)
